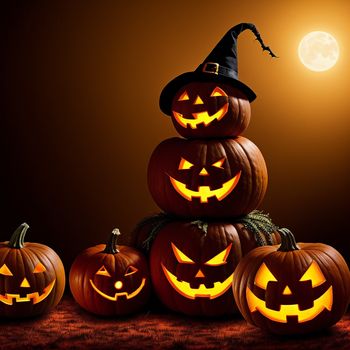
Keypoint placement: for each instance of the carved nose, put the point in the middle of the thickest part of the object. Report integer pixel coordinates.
(287, 291)
(199, 274)
(118, 285)
(198, 101)
(203, 172)
(25, 283)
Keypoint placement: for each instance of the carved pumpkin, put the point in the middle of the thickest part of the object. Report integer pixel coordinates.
(292, 288)
(207, 109)
(32, 277)
(207, 178)
(110, 279)
(192, 267)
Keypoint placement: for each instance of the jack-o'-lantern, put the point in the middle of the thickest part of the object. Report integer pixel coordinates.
(32, 277)
(207, 178)
(192, 266)
(292, 288)
(110, 279)
(211, 101)
(208, 109)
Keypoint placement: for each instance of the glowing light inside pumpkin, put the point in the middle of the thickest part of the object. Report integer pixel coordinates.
(25, 283)
(205, 192)
(313, 273)
(202, 291)
(4, 270)
(184, 288)
(201, 117)
(35, 297)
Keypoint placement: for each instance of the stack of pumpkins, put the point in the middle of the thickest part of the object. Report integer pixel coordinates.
(207, 181)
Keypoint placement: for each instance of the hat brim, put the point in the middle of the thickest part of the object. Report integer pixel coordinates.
(174, 85)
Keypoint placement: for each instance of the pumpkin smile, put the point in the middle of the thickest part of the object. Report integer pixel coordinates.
(325, 301)
(8, 298)
(185, 289)
(205, 192)
(116, 295)
(201, 117)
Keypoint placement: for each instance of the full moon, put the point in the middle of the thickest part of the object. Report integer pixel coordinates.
(318, 51)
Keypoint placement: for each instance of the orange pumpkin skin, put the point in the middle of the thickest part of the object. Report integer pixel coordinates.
(127, 274)
(290, 268)
(32, 277)
(238, 157)
(196, 104)
(201, 247)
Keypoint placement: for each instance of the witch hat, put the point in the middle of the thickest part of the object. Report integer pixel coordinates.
(220, 66)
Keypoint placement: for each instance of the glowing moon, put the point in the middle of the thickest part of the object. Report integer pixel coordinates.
(318, 51)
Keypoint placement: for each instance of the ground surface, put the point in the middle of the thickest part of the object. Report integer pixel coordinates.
(69, 327)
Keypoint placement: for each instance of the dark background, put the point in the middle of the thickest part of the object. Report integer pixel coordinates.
(80, 82)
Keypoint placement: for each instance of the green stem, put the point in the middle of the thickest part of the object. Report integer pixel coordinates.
(17, 239)
(111, 246)
(288, 242)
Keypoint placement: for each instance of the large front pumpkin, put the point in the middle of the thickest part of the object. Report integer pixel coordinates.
(110, 280)
(207, 109)
(207, 178)
(192, 269)
(292, 288)
(32, 277)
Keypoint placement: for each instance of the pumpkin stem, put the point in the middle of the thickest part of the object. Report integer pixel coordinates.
(17, 238)
(288, 242)
(111, 246)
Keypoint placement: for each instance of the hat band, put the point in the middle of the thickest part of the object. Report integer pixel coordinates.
(215, 68)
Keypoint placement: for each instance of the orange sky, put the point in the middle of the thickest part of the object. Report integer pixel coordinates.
(82, 117)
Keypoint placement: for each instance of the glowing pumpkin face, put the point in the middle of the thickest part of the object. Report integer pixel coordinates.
(207, 177)
(32, 277)
(117, 286)
(309, 296)
(208, 109)
(24, 286)
(292, 289)
(192, 270)
(110, 279)
(185, 289)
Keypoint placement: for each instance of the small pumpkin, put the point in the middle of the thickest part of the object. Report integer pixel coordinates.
(192, 265)
(292, 288)
(111, 279)
(205, 109)
(213, 178)
(32, 277)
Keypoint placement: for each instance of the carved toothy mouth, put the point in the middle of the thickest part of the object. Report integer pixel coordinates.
(204, 192)
(116, 295)
(185, 289)
(325, 301)
(201, 117)
(8, 298)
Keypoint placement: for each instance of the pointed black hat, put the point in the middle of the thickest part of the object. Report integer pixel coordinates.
(220, 65)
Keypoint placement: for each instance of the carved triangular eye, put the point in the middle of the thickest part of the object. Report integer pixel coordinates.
(185, 164)
(4, 270)
(314, 274)
(264, 276)
(130, 270)
(220, 259)
(103, 272)
(184, 96)
(39, 268)
(219, 163)
(218, 92)
(180, 256)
